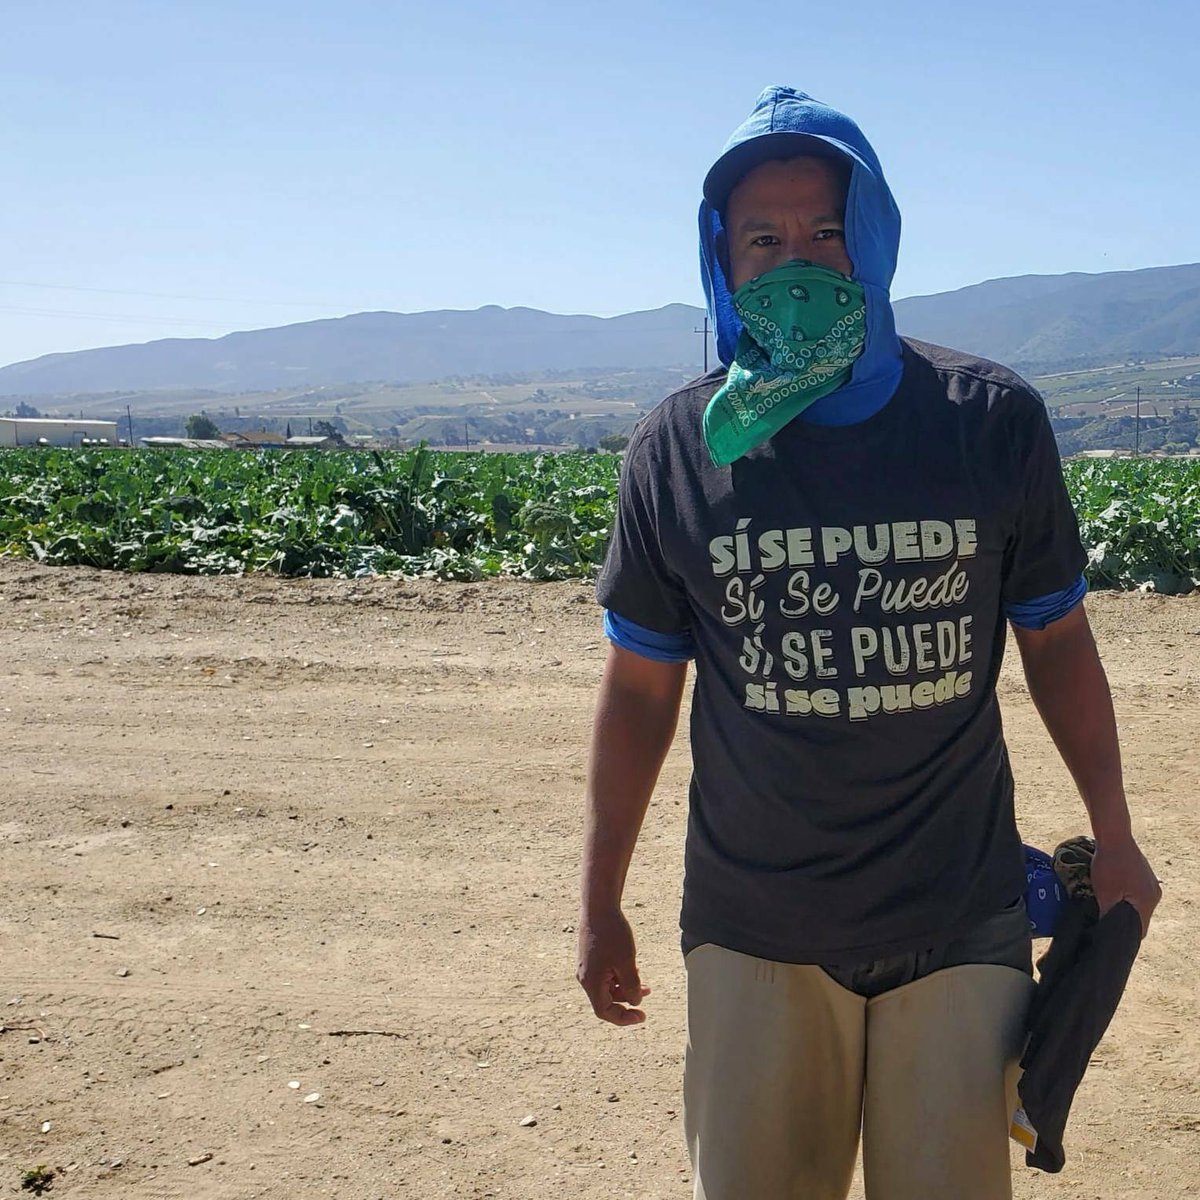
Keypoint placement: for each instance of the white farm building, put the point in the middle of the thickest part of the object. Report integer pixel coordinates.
(39, 431)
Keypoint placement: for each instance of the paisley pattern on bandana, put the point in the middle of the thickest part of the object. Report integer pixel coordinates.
(803, 328)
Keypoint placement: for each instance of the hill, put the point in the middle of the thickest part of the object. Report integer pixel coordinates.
(384, 346)
(1038, 324)
(1043, 323)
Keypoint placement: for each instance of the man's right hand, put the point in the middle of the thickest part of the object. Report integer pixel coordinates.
(607, 968)
(636, 714)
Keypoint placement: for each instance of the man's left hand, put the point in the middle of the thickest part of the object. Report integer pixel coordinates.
(1120, 872)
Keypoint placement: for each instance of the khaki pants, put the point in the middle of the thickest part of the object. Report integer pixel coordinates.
(784, 1066)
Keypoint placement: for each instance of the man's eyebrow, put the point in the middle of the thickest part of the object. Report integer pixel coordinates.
(766, 225)
(753, 225)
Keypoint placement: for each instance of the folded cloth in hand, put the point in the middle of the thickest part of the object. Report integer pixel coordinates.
(1081, 979)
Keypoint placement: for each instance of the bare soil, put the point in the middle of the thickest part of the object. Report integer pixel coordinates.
(259, 833)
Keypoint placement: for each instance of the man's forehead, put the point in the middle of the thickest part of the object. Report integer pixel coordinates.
(787, 183)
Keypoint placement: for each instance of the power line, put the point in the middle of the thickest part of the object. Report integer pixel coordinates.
(91, 316)
(66, 287)
(356, 307)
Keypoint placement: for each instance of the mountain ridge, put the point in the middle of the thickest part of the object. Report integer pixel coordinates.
(1033, 323)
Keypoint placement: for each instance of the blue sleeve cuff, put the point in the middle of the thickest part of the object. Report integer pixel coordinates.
(661, 647)
(1045, 610)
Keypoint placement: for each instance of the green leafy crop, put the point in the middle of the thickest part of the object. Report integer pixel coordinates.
(455, 515)
(1140, 522)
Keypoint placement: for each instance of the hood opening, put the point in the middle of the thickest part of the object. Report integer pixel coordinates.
(787, 123)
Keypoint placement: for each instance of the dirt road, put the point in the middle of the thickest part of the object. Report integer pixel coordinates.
(288, 886)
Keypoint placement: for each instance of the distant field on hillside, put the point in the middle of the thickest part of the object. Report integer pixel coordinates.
(565, 408)
(1091, 409)
(1113, 390)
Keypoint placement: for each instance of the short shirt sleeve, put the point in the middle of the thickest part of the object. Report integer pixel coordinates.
(1045, 555)
(637, 581)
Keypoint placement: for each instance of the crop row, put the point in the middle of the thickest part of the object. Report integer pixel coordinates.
(456, 516)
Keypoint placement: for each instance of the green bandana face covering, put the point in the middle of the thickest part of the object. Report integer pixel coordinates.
(802, 328)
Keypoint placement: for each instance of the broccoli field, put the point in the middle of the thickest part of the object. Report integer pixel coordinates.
(462, 516)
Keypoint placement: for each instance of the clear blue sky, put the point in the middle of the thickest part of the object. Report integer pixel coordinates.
(260, 162)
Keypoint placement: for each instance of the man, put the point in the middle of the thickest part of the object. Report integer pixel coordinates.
(836, 526)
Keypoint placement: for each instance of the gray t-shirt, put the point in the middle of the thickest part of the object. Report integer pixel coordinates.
(844, 586)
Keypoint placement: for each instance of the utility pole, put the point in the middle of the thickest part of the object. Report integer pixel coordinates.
(129, 418)
(1137, 428)
(467, 434)
(704, 331)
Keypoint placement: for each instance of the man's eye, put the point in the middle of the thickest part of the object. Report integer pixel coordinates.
(825, 234)
(766, 239)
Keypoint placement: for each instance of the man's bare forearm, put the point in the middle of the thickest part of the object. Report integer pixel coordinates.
(1070, 690)
(636, 715)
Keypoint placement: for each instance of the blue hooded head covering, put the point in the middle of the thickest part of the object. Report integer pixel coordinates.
(786, 123)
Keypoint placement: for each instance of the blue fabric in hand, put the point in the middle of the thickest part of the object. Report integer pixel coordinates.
(1045, 899)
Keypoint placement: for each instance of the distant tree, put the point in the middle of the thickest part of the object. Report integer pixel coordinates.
(26, 410)
(326, 430)
(289, 431)
(614, 443)
(200, 425)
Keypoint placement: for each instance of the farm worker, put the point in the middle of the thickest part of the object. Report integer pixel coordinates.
(836, 526)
